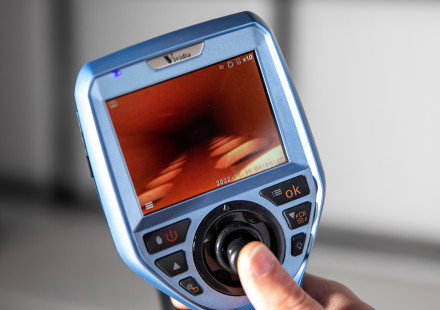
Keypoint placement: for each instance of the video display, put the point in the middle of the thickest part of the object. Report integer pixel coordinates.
(197, 132)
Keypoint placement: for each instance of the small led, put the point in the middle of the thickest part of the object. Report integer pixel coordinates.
(116, 73)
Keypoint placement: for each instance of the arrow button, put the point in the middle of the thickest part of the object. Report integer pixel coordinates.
(173, 264)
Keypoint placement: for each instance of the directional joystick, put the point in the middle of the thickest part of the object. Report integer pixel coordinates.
(231, 240)
(224, 232)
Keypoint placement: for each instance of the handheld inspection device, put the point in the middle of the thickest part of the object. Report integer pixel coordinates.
(198, 144)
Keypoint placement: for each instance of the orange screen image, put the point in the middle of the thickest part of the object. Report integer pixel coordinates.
(196, 132)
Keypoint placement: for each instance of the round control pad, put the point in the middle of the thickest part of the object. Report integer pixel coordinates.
(222, 234)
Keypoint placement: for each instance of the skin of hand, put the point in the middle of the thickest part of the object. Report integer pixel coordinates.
(269, 287)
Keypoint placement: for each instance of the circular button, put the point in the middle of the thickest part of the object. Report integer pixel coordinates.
(222, 234)
(231, 240)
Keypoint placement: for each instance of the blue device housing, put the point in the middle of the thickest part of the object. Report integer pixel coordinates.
(126, 71)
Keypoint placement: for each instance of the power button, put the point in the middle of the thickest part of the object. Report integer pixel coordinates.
(166, 237)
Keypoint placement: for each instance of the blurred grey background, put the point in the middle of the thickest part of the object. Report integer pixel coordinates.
(368, 73)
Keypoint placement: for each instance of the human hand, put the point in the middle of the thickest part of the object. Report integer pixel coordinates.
(268, 286)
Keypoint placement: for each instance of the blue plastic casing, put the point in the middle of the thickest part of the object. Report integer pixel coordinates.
(223, 38)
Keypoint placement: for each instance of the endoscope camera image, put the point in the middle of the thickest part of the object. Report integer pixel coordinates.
(197, 132)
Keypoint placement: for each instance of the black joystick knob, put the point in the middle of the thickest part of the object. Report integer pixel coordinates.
(231, 240)
(234, 249)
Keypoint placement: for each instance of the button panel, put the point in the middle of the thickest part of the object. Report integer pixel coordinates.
(166, 237)
(298, 216)
(191, 286)
(286, 191)
(298, 243)
(173, 264)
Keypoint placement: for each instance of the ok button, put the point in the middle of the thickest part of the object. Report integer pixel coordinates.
(286, 191)
(166, 237)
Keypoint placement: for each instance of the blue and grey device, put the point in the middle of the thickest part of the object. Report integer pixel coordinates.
(198, 144)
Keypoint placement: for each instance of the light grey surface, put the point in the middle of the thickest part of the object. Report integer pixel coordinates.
(52, 259)
(383, 280)
(366, 71)
(26, 119)
(367, 74)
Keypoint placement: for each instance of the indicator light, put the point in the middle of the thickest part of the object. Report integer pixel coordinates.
(116, 73)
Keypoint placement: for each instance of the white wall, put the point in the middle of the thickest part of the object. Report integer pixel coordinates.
(367, 73)
(25, 87)
(104, 26)
(368, 76)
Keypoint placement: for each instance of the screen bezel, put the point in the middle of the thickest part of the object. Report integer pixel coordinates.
(138, 74)
(258, 77)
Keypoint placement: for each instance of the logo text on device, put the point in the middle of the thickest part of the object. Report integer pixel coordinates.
(176, 56)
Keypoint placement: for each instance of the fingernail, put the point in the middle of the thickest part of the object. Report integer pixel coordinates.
(261, 261)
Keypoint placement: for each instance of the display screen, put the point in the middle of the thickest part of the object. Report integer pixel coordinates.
(197, 132)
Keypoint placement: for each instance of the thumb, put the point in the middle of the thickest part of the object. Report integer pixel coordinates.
(267, 285)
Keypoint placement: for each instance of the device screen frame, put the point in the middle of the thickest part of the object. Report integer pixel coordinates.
(111, 174)
(252, 58)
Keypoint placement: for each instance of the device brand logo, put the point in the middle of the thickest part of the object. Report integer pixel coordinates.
(171, 58)
(176, 56)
